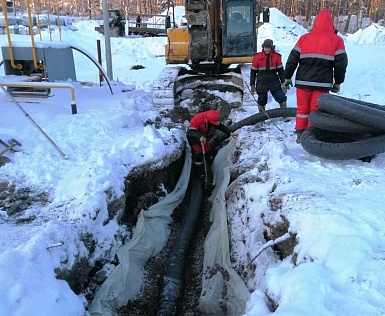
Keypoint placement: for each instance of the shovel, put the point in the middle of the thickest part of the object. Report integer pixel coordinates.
(204, 161)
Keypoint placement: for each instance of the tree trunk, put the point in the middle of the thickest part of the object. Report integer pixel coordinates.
(347, 23)
(309, 13)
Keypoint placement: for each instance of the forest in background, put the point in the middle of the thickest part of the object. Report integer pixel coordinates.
(349, 15)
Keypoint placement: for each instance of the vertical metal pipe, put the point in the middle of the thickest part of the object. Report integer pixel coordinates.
(107, 39)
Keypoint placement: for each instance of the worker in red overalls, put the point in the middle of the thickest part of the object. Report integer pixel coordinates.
(202, 126)
(322, 61)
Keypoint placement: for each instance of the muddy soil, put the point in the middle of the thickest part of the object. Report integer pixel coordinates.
(147, 302)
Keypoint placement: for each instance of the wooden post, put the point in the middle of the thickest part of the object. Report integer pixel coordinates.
(100, 61)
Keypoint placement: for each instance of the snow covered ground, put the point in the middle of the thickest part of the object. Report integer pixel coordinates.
(333, 207)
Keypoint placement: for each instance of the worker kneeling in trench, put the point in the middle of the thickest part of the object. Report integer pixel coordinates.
(201, 129)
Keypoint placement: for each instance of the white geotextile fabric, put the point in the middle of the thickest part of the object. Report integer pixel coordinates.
(149, 238)
(218, 275)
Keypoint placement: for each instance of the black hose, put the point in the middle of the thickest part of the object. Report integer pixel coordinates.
(263, 116)
(360, 112)
(344, 115)
(331, 122)
(315, 142)
(173, 273)
(252, 120)
(371, 105)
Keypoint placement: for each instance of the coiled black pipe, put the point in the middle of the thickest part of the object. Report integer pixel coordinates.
(334, 123)
(360, 112)
(313, 141)
(172, 282)
(345, 115)
(371, 105)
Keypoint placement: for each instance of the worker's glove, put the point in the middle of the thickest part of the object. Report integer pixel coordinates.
(252, 90)
(336, 88)
(203, 140)
(288, 83)
(284, 89)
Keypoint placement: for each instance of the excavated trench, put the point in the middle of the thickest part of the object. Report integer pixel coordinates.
(149, 300)
(143, 187)
(154, 297)
(184, 301)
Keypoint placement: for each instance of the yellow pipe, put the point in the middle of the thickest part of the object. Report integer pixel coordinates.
(18, 66)
(29, 84)
(32, 38)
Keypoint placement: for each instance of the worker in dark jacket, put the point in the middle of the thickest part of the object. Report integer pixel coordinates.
(322, 61)
(138, 21)
(267, 74)
(201, 125)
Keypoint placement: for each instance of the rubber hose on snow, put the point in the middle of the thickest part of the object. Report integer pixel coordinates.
(331, 122)
(263, 116)
(252, 120)
(173, 273)
(371, 105)
(312, 142)
(353, 111)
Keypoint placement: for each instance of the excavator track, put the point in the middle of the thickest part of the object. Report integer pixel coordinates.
(231, 81)
(163, 88)
(176, 87)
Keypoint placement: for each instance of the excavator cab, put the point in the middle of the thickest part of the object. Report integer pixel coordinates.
(239, 37)
(218, 33)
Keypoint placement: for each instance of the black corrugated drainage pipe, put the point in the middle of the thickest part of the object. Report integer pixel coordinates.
(254, 119)
(174, 269)
(263, 116)
(346, 129)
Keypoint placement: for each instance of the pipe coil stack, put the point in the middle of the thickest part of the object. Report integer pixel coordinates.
(345, 128)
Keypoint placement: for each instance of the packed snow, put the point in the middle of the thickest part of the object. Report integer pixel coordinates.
(333, 207)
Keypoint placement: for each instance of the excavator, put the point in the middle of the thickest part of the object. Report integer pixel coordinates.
(218, 33)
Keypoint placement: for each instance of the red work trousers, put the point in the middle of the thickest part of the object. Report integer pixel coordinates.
(306, 103)
(198, 152)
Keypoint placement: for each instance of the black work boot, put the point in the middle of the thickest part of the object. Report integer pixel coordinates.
(299, 134)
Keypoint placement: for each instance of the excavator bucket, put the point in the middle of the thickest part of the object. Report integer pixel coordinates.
(177, 48)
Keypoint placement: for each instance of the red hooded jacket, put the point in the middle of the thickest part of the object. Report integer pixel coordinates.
(200, 122)
(200, 126)
(321, 56)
